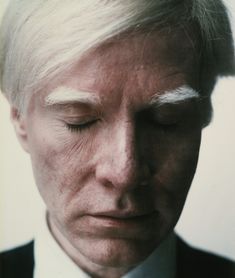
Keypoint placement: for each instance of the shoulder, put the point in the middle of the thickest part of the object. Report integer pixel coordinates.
(17, 262)
(192, 262)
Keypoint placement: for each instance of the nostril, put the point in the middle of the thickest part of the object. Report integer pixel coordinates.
(107, 183)
(143, 183)
(145, 172)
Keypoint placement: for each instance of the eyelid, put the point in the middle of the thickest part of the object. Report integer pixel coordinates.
(73, 110)
(168, 118)
(162, 116)
(78, 127)
(170, 115)
(176, 110)
(79, 119)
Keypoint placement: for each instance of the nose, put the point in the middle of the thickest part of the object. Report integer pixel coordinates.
(122, 165)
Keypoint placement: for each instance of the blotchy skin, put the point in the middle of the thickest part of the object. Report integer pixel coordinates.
(116, 188)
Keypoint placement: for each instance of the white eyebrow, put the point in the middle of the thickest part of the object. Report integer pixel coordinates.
(66, 95)
(175, 96)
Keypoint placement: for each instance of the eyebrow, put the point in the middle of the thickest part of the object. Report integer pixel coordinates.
(66, 95)
(176, 96)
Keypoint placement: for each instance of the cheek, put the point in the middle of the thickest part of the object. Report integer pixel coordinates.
(174, 158)
(178, 166)
(175, 164)
(60, 166)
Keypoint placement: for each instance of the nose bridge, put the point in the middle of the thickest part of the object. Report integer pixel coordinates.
(126, 154)
(120, 162)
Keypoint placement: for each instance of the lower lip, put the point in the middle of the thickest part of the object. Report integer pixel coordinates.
(114, 222)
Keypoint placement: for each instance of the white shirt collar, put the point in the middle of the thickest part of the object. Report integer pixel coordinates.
(52, 261)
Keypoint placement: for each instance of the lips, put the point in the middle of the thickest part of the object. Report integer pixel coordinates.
(120, 220)
(125, 217)
(119, 215)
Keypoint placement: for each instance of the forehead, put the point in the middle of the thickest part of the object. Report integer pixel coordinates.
(150, 47)
(139, 64)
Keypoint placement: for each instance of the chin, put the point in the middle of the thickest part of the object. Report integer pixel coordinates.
(117, 253)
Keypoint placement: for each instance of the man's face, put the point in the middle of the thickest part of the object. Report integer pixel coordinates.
(115, 167)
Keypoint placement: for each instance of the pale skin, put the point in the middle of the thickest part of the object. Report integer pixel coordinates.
(115, 174)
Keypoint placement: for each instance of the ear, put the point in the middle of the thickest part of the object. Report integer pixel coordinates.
(19, 122)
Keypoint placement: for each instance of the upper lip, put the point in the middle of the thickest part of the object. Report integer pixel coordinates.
(122, 214)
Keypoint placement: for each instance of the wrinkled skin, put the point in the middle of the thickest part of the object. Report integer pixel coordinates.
(125, 161)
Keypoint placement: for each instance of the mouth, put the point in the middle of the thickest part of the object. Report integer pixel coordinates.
(123, 215)
(128, 216)
(123, 220)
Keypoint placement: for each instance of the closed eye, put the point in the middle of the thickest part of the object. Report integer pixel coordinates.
(157, 121)
(167, 124)
(79, 127)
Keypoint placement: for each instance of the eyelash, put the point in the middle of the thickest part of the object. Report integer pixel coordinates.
(85, 126)
(164, 125)
(80, 127)
(168, 125)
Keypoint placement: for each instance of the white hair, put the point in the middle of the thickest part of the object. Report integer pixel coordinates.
(177, 95)
(41, 39)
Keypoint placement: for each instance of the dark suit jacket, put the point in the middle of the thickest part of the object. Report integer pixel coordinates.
(191, 263)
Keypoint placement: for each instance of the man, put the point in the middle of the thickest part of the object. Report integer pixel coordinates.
(109, 99)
